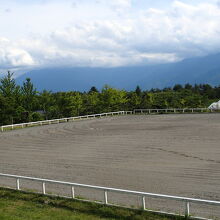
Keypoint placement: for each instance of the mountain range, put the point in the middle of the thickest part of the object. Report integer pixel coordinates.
(194, 70)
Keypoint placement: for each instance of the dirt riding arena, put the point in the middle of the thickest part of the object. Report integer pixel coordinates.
(176, 154)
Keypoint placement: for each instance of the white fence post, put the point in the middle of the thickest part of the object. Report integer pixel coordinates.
(43, 188)
(18, 184)
(143, 203)
(105, 197)
(73, 192)
(186, 209)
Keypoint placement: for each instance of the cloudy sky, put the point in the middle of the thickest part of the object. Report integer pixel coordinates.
(106, 33)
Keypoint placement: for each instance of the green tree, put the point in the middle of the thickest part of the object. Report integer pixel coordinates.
(138, 91)
(188, 86)
(91, 102)
(177, 87)
(8, 87)
(10, 93)
(93, 89)
(28, 93)
(48, 103)
(72, 104)
(134, 101)
(113, 99)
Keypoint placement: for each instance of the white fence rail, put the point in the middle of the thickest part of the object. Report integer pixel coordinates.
(107, 190)
(171, 110)
(60, 120)
(135, 111)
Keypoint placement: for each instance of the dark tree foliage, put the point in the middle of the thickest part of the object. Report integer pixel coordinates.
(138, 91)
(93, 89)
(177, 87)
(22, 104)
(188, 86)
(29, 94)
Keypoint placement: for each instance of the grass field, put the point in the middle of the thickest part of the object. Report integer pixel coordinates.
(16, 205)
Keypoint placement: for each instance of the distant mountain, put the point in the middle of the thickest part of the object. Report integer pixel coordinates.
(194, 70)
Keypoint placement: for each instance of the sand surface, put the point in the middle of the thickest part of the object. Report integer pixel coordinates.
(175, 154)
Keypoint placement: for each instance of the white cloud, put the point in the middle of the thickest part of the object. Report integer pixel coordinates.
(106, 33)
(12, 56)
(121, 3)
(120, 6)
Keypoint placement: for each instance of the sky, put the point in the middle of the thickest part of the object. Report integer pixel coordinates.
(103, 33)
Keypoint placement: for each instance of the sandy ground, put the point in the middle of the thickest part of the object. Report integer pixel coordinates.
(169, 154)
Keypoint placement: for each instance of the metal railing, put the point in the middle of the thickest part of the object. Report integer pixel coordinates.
(106, 190)
(171, 110)
(61, 120)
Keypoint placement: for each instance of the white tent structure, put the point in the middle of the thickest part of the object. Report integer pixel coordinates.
(215, 106)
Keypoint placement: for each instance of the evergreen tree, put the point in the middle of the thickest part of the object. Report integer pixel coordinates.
(93, 89)
(138, 91)
(10, 93)
(177, 87)
(8, 87)
(28, 93)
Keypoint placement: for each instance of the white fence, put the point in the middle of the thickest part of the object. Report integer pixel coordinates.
(135, 111)
(106, 191)
(61, 120)
(171, 110)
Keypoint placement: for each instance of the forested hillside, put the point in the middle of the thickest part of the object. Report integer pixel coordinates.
(24, 103)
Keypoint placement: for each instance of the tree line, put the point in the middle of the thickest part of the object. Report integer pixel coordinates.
(24, 103)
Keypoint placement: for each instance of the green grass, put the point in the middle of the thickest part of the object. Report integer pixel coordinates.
(15, 205)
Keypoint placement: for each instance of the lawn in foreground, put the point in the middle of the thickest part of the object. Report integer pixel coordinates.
(15, 205)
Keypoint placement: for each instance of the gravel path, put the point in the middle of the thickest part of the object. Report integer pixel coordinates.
(176, 154)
